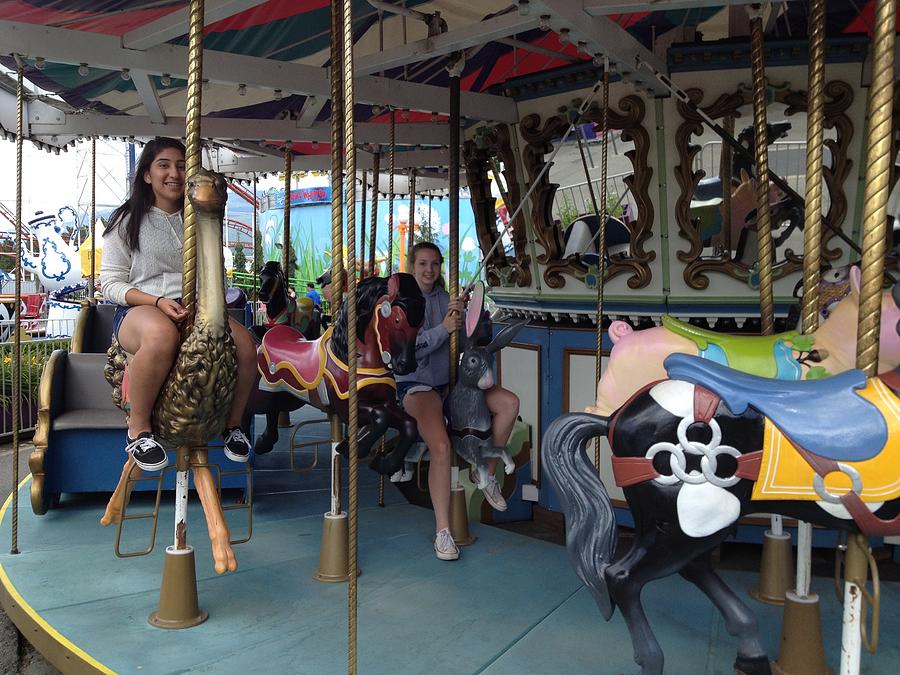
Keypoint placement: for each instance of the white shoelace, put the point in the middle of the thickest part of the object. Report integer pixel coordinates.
(237, 435)
(445, 541)
(141, 444)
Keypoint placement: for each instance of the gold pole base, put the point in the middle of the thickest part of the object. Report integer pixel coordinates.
(178, 606)
(802, 652)
(459, 517)
(334, 555)
(777, 571)
(284, 419)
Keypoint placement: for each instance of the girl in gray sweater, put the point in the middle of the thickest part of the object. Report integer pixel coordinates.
(422, 393)
(141, 272)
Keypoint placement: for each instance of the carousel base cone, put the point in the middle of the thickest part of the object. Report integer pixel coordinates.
(284, 419)
(459, 517)
(802, 652)
(334, 555)
(776, 573)
(178, 606)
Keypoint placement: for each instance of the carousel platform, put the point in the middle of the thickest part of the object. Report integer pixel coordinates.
(511, 604)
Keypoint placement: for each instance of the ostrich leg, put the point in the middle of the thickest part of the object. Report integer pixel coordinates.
(219, 536)
(120, 495)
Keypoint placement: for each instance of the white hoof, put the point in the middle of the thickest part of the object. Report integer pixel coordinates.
(509, 469)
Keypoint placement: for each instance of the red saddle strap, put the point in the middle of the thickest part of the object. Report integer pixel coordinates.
(869, 524)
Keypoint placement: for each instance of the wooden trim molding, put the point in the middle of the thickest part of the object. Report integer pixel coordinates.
(538, 136)
(839, 97)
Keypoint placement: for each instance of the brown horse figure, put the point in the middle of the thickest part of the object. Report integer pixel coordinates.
(389, 311)
(697, 452)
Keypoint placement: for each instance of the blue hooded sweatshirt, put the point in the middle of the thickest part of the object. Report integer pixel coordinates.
(433, 343)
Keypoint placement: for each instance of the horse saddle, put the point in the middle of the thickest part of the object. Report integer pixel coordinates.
(286, 356)
(763, 355)
(825, 417)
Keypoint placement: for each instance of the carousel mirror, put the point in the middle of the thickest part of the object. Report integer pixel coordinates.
(495, 192)
(720, 224)
(563, 208)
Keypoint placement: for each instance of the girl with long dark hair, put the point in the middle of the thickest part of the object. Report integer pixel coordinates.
(422, 393)
(141, 272)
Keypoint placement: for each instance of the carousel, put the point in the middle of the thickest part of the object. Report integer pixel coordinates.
(673, 224)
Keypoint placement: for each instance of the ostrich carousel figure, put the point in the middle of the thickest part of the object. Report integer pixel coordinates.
(193, 404)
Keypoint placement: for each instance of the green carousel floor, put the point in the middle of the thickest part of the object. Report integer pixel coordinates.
(511, 604)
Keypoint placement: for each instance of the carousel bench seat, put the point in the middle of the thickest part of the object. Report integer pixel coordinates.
(81, 435)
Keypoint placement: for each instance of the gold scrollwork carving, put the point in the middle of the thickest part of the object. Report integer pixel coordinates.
(839, 97)
(629, 120)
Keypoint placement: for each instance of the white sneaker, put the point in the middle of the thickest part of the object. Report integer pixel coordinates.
(491, 492)
(444, 546)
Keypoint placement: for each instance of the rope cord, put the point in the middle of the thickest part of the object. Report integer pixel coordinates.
(411, 234)
(286, 229)
(17, 339)
(601, 241)
(353, 413)
(373, 223)
(391, 158)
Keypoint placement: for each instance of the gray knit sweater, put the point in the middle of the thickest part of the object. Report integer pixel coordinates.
(155, 268)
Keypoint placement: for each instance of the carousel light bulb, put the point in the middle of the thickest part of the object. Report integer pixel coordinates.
(277, 93)
(205, 84)
(83, 69)
(434, 117)
(524, 7)
(166, 80)
(582, 47)
(376, 110)
(564, 36)
(404, 114)
(242, 90)
(315, 145)
(40, 62)
(126, 74)
(545, 22)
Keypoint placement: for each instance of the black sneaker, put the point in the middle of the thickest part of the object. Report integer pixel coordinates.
(237, 445)
(148, 454)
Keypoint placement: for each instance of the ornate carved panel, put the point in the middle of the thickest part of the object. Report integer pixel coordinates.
(629, 119)
(839, 97)
(490, 149)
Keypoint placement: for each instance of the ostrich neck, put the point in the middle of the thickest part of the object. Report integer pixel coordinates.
(210, 270)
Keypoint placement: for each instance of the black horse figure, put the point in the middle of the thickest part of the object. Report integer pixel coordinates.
(695, 453)
(280, 309)
(389, 313)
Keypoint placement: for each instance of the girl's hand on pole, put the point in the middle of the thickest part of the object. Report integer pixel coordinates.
(453, 320)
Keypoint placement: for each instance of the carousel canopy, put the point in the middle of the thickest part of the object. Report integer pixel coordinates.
(119, 67)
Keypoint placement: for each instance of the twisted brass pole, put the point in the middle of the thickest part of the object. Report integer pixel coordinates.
(353, 420)
(373, 226)
(362, 226)
(815, 116)
(453, 264)
(411, 236)
(725, 170)
(256, 252)
(93, 218)
(17, 339)
(286, 230)
(391, 158)
(192, 152)
(601, 238)
(763, 221)
(878, 171)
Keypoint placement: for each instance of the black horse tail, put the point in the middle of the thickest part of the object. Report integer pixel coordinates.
(591, 532)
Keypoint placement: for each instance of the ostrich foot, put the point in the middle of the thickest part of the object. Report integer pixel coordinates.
(223, 554)
(120, 495)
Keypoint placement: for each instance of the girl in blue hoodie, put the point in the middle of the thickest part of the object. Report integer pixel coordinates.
(422, 393)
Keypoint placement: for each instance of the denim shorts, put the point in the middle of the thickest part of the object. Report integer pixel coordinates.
(404, 388)
(121, 311)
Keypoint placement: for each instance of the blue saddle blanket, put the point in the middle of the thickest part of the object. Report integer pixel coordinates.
(825, 417)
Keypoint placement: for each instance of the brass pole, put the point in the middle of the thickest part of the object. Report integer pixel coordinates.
(726, 166)
(362, 226)
(815, 116)
(353, 412)
(601, 238)
(373, 226)
(453, 253)
(391, 153)
(411, 237)
(92, 285)
(192, 153)
(878, 171)
(286, 231)
(256, 252)
(763, 221)
(17, 339)
(337, 161)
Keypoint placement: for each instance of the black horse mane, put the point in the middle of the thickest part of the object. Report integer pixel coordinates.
(409, 298)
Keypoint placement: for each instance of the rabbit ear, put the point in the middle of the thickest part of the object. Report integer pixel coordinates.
(505, 336)
(473, 311)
